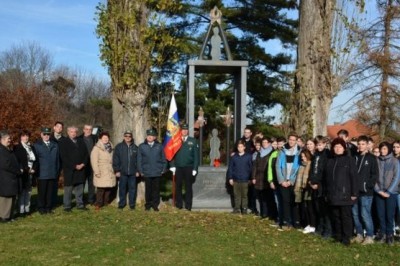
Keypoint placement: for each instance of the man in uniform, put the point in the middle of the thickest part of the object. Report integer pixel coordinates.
(185, 164)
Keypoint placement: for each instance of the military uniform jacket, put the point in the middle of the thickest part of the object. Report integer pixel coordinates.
(188, 154)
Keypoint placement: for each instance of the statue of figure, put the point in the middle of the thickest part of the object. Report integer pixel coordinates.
(216, 45)
(215, 144)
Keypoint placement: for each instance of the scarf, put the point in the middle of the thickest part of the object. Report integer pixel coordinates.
(302, 176)
(108, 147)
(30, 154)
(266, 151)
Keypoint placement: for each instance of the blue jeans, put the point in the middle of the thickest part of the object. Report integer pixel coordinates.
(127, 183)
(278, 202)
(362, 209)
(386, 208)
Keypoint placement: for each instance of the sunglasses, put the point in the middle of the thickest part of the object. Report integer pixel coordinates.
(46, 134)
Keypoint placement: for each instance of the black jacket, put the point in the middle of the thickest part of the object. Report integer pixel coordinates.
(341, 180)
(318, 165)
(22, 158)
(73, 154)
(9, 171)
(88, 168)
(368, 172)
(125, 159)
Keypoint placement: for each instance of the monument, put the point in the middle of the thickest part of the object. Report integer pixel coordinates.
(209, 190)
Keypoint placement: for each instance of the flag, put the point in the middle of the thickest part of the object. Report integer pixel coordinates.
(173, 136)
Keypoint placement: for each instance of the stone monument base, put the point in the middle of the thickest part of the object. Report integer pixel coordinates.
(209, 190)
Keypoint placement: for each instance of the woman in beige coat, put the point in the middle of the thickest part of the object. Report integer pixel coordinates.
(103, 174)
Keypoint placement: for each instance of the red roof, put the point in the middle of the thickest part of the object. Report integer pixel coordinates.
(354, 127)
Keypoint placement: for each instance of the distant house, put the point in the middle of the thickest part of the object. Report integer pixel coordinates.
(354, 127)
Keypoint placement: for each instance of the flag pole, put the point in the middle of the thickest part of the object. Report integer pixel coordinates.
(173, 190)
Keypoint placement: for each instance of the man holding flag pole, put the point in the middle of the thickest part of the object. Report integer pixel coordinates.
(173, 139)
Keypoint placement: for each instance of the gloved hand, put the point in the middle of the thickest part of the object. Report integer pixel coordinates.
(173, 170)
(194, 172)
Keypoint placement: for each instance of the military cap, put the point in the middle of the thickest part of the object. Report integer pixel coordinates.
(46, 130)
(151, 132)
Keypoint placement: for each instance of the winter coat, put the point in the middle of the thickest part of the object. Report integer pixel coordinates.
(101, 161)
(125, 159)
(48, 160)
(389, 174)
(73, 154)
(341, 180)
(259, 170)
(9, 171)
(151, 161)
(240, 167)
(187, 155)
(281, 164)
(301, 181)
(318, 164)
(22, 158)
(94, 139)
(271, 172)
(368, 172)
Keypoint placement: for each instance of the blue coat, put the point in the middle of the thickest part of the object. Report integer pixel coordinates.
(151, 160)
(281, 165)
(240, 167)
(125, 159)
(48, 160)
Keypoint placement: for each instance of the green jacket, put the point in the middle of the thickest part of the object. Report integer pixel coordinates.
(188, 155)
(271, 166)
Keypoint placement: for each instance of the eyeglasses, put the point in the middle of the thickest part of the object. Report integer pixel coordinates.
(128, 136)
(46, 134)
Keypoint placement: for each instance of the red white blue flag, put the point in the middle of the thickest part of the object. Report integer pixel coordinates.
(173, 137)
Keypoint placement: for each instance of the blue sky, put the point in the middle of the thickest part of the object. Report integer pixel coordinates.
(64, 27)
(67, 29)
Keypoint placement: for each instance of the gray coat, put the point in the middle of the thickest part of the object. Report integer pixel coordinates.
(151, 161)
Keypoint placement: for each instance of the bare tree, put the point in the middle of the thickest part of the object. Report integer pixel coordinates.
(26, 64)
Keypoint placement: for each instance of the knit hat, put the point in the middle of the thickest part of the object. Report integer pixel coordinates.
(339, 141)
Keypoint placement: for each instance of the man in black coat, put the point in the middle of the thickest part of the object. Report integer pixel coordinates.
(90, 140)
(74, 159)
(57, 136)
(9, 171)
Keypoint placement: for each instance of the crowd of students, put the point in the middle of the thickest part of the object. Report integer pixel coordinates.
(336, 188)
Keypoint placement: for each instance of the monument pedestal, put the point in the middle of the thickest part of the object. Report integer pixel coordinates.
(209, 190)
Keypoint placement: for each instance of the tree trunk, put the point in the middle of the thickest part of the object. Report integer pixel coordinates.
(314, 90)
(386, 68)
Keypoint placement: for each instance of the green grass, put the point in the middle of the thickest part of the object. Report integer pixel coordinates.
(171, 237)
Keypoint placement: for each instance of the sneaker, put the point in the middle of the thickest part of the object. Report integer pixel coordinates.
(389, 240)
(309, 230)
(236, 211)
(367, 241)
(245, 211)
(358, 239)
(285, 228)
(380, 238)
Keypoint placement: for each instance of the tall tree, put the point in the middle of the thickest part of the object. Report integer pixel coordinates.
(134, 40)
(314, 90)
(378, 71)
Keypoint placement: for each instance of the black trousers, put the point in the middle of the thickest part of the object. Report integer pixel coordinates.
(287, 204)
(45, 194)
(252, 196)
(152, 192)
(184, 174)
(261, 196)
(343, 223)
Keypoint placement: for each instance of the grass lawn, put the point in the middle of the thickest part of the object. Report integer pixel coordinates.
(171, 237)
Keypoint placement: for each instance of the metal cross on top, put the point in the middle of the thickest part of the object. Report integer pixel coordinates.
(216, 35)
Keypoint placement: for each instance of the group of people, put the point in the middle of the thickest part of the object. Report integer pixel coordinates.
(93, 160)
(348, 191)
